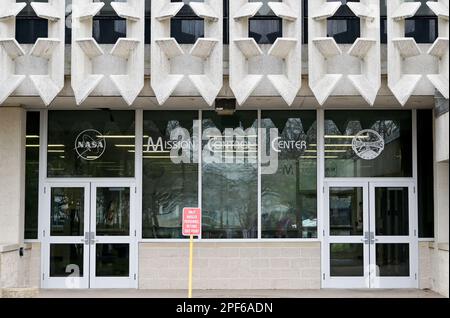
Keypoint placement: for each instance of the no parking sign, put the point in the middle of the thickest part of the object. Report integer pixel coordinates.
(192, 221)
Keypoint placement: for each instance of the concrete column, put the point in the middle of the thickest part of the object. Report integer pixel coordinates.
(12, 174)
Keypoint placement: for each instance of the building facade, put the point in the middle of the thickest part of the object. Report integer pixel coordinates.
(313, 135)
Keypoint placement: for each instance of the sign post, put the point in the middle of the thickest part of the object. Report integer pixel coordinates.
(192, 221)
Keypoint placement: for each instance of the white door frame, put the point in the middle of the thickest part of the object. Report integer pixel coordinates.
(47, 240)
(344, 282)
(88, 280)
(114, 282)
(370, 280)
(411, 239)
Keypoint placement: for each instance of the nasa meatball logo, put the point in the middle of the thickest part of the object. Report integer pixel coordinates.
(368, 144)
(90, 145)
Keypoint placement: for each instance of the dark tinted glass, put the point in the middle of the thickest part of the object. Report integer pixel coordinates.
(113, 212)
(186, 27)
(29, 27)
(265, 27)
(346, 211)
(346, 260)
(290, 210)
(368, 143)
(32, 176)
(66, 259)
(392, 260)
(425, 173)
(230, 175)
(112, 260)
(98, 143)
(392, 211)
(67, 212)
(169, 185)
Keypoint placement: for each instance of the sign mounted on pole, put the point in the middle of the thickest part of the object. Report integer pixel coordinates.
(192, 224)
(192, 219)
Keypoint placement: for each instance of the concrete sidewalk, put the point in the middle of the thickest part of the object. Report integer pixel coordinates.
(323, 293)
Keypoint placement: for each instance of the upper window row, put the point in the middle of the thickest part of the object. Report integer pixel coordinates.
(265, 27)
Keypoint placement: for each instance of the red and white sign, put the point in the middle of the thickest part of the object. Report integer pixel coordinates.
(192, 221)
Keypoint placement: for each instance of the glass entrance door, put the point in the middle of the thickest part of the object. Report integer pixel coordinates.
(89, 237)
(370, 237)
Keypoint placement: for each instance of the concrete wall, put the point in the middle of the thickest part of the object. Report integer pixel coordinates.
(441, 130)
(12, 174)
(425, 274)
(19, 271)
(439, 268)
(230, 265)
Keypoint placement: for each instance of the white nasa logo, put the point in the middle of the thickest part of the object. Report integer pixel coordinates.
(368, 144)
(90, 145)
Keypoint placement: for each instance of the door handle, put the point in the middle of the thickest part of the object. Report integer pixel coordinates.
(87, 239)
(366, 239)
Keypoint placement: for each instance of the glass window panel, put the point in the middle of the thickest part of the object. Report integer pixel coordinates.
(392, 211)
(346, 260)
(107, 30)
(91, 143)
(186, 27)
(346, 211)
(265, 30)
(113, 212)
(169, 184)
(392, 260)
(344, 31)
(230, 176)
(365, 130)
(290, 210)
(30, 27)
(425, 173)
(66, 259)
(422, 29)
(32, 175)
(112, 260)
(67, 212)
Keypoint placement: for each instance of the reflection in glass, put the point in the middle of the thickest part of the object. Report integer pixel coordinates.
(168, 187)
(392, 211)
(32, 176)
(394, 127)
(66, 259)
(265, 27)
(346, 260)
(112, 260)
(186, 27)
(117, 128)
(67, 212)
(289, 196)
(346, 211)
(230, 175)
(113, 212)
(392, 260)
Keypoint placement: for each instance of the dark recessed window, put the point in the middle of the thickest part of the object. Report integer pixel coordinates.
(425, 173)
(29, 27)
(344, 26)
(265, 27)
(107, 26)
(32, 176)
(186, 27)
(423, 27)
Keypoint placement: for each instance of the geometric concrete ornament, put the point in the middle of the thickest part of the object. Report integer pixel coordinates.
(9, 48)
(286, 48)
(84, 48)
(440, 48)
(366, 49)
(165, 48)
